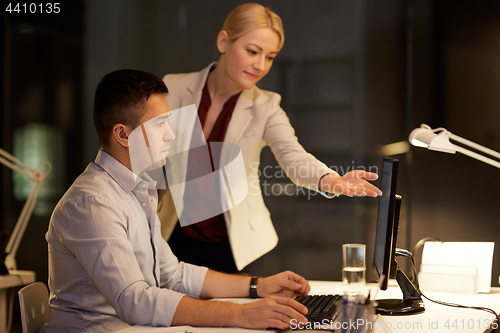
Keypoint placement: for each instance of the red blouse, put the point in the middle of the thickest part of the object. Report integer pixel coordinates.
(211, 230)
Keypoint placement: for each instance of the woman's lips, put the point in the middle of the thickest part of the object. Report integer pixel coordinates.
(253, 76)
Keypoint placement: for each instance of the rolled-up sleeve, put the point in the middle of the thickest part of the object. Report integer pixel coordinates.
(140, 304)
(179, 276)
(186, 279)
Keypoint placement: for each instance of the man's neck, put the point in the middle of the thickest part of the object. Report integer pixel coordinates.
(120, 154)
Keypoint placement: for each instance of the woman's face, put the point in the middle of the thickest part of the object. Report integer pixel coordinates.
(250, 57)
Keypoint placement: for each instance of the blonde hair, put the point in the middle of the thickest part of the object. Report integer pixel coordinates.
(252, 16)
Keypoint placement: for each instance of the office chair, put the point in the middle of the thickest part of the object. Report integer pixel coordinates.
(35, 309)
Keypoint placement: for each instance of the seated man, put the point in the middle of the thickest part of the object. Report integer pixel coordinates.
(109, 266)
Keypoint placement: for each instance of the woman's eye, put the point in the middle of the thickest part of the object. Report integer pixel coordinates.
(160, 124)
(252, 52)
(270, 58)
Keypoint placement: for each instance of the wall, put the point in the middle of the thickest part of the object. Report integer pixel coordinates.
(454, 195)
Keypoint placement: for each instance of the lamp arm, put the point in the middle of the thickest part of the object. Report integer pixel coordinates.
(474, 145)
(439, 139)
(477, 156)
(36, 176)
(22, 221)
(14, 167)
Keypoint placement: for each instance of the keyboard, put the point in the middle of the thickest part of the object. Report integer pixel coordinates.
(320, 307)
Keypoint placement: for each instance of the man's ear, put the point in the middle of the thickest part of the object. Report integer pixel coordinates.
(120, 134)
(222, 41)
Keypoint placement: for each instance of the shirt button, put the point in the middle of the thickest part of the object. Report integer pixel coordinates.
(143, 204)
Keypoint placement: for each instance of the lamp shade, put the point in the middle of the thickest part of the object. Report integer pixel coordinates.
(425, 137)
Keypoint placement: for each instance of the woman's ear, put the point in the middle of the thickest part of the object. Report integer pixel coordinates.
(120, 134)
(222, 41)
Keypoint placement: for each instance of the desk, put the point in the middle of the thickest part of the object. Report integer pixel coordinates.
(436, 318)
(14, 279)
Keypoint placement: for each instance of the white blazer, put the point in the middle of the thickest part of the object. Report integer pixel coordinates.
(257, 121)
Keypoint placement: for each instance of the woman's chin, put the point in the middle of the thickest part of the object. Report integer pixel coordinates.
(247, 85)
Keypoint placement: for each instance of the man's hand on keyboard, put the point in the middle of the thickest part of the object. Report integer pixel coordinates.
(286, 284)
(276, 312)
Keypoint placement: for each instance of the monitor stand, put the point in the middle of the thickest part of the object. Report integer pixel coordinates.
(411, 303)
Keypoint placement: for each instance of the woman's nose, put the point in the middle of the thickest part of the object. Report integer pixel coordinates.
(259, 63)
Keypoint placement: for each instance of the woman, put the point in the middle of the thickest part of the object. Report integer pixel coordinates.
(232, 109)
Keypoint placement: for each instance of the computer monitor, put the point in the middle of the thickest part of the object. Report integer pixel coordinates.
(383, 259)
(385, 247)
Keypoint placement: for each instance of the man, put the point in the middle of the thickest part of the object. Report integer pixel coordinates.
(109, 266)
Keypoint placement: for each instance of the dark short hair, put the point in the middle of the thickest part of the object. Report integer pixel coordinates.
(119, 99)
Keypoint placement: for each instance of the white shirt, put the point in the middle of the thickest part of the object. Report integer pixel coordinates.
(108, 264)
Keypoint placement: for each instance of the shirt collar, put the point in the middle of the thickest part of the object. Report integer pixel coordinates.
(121, 174)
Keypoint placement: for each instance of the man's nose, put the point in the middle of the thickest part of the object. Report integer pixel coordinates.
(169, 134)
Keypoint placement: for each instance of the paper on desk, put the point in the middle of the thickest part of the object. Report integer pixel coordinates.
(473, 254)
(176, 329)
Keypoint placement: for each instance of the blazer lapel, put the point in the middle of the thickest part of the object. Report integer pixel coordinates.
(241, 117)
(182, 124)
(195, 88)
(192, 95)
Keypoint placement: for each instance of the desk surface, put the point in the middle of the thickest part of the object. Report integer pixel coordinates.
(436, 318)
(16, 279)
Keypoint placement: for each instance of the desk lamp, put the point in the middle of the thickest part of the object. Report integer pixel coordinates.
(8, 258)
(439, 139)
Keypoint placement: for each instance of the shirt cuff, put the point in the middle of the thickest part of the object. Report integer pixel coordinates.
(327, 194)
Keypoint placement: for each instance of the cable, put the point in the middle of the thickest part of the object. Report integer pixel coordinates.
(495, 323)
(421, 243)
(417, 247)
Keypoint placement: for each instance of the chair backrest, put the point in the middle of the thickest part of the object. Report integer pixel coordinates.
(35, 309)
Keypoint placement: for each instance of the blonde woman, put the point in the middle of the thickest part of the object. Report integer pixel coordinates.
(231, 108)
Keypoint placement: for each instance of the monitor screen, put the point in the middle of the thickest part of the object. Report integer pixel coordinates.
(383, 257)
(385, 248)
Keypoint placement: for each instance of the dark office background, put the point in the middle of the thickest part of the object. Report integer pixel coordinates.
(354, 75)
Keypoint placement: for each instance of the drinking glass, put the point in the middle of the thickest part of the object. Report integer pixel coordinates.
(354, 268)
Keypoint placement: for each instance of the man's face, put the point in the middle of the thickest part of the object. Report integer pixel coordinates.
(156, 133)
(155, 127)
